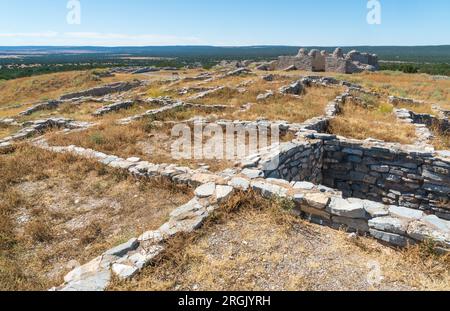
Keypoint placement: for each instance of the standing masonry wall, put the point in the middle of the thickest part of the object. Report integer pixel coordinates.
(295, 162)
(387, 173)
(413, 179)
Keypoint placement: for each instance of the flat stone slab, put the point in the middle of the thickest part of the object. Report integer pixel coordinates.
(346, 208)
(404, 212)
(96, 282)
(304, 185)
(205, 190)
(389, 224)
(374, 209)
(317, 200)
(124, 248)
(356, 224)
(422, 232)
(437, 223)
(151, 236)
(391, 238)
(223, 192)
(140, 260)
(124, 271)
(239, 183)
(186, 210)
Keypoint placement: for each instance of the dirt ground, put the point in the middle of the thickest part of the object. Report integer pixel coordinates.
(268, 249)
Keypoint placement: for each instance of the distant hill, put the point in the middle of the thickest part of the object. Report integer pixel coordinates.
(420, 54)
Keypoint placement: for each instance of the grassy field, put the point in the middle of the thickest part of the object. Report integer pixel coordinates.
(58, 211)
(375, 120)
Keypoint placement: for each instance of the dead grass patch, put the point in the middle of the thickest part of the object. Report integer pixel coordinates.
(378, 123)
(441, 139)
(58, 211)
(417, 86)
(253, 244)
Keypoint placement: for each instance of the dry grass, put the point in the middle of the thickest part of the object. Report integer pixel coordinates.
(252, 244)
(143, 139)
(6, 131)
(291, 109)
(417, 108)
(417, 86)
(58, 211)
(31, 90)
(441, 139)
(278, 107)
(83, 112)
(378, 123)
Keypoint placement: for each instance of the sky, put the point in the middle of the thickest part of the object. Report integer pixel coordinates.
(224, 22)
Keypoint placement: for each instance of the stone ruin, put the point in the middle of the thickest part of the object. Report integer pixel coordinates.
(315, 60)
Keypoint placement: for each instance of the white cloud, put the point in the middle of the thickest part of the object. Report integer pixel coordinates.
(49, 34)
(97, 38)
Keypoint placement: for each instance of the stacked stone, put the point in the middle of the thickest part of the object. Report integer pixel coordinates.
(113, 107)
(51, 104)
(289, 161)
(206, 93)
(152, 113)
(389, 173)
(104, 90)
(295, 88)
(34, 127)
(422, 118)
(423, 133)
(126, 260)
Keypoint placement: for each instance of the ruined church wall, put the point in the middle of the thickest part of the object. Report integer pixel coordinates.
(336, 65)
(301, 63)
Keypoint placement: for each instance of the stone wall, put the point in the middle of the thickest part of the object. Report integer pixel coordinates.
(303, 63)
(294, 161)
(316, 60)
(388, 173)
(104, 90)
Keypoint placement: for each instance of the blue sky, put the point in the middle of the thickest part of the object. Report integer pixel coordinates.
(224, 22)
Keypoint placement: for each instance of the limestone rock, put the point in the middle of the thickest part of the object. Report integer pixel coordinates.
(124, 271)
(317, 200)
(345, 208)
(124, 248)
(391, 238)
(239, 183)
(223, 192)
(407, 213)
(389, 224)
(205, 190)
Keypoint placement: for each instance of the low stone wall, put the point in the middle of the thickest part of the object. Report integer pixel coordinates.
(440, 121)
(293, 161)
(113, 107)
(398, 226)
(51, 104)
(104, 90)
(32, 128)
